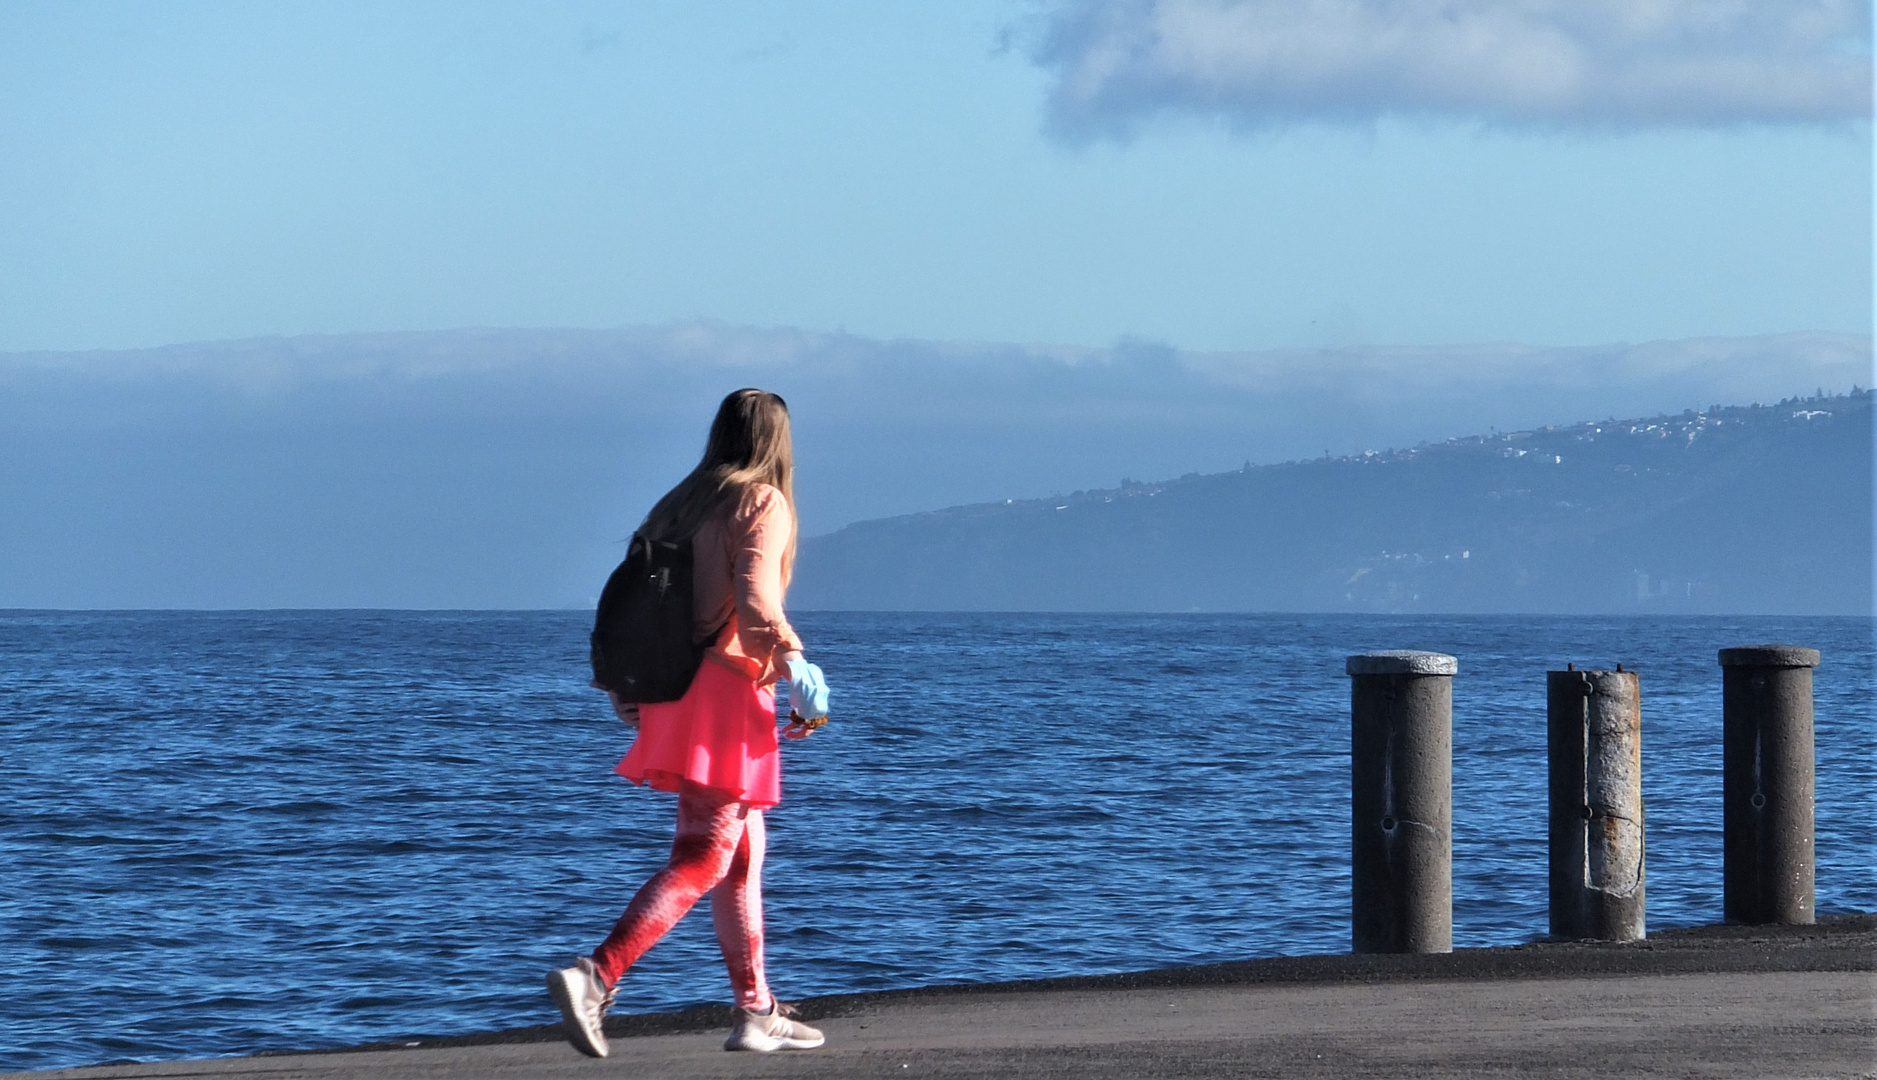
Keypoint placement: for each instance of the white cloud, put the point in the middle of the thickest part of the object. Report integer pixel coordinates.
(1543, 62)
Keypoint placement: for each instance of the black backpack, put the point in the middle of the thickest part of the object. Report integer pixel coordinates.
(641, 645)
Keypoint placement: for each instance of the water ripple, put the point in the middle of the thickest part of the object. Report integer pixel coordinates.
(269, 830)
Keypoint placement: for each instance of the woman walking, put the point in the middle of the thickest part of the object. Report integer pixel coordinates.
(716, 747)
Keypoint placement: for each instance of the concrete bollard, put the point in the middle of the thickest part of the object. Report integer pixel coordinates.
(1767, 783)
(1594, 723)
(1401, 788)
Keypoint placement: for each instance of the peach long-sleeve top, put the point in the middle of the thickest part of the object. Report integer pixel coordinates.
(736, 568)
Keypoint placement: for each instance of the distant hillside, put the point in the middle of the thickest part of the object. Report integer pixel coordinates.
(1754, 509)
(501, 468)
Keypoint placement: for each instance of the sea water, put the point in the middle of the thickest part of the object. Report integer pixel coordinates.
(237, 831)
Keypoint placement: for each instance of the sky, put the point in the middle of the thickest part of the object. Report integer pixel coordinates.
(418, 304)
(1201, 174)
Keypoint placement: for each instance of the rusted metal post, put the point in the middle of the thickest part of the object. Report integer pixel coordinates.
(1767, 783)
(1594, 721)
(1401, 797)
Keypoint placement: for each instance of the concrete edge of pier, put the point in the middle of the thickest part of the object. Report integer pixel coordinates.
(1838, 943)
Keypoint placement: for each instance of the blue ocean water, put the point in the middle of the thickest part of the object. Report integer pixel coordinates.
(228, 832)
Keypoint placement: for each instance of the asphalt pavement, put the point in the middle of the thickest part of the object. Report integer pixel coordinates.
(1715, 1002)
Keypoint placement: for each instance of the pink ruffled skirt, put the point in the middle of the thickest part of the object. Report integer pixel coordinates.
(720, 735)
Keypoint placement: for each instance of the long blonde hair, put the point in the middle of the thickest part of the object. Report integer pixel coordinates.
(749, 444)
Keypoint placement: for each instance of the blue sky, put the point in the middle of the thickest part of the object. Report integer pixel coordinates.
(1073, 173)
(988, 249)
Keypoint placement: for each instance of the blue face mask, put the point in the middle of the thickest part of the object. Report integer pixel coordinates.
(808, 691)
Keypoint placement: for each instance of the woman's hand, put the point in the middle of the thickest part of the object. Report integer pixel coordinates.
(626, 711)
(808, 696)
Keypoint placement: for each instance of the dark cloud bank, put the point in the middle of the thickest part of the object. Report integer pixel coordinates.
(500, 468)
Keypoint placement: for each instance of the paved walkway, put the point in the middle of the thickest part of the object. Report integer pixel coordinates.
(1719, 1003)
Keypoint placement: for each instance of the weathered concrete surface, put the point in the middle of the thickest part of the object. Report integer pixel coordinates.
(1598, 878)
(1767, 783)
(1401, 802)
(1725, 1002)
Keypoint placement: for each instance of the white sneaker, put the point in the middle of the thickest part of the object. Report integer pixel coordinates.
(583, 1001)
(773, 1030)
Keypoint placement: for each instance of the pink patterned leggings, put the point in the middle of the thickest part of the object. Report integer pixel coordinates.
(718, 850)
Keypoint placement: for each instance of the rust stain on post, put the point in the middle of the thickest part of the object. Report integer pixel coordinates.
(1597, 822)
